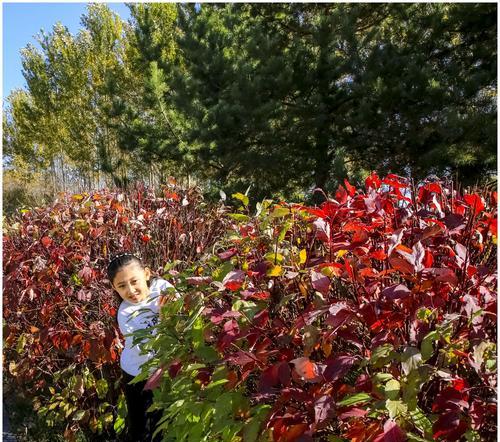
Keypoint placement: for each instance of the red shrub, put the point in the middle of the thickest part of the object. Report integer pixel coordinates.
(371, 317)
(61, 340)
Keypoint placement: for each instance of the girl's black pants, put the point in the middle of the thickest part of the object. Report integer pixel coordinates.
(140, 425)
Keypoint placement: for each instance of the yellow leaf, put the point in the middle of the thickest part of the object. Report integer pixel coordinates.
(341, 253)
(241, 197)
(327, 348)
(275, 271)
(303, 256)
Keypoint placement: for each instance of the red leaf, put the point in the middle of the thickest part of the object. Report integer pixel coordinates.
(428, 259)
(274, 375)
(323, 410)
(475, 202)
(480, 411)
(234, 280)
(350, 189)
(401, 264)
(360, 236)
(320, 282)
(352, 412)
(155, 379)
(432, 230)
(450, 399)
(338, 367)
(294, 432)
(395, 181)
(441, 275)
(459, 384)
(395, 239)
(241, 358)
(373, 181)
(260, 296)
(199, 280)
(418, 255)
(46, 241)
(224, 256)
(87, 274)
(392, 433)
(306, 369)
(379, 255)
(339, 313)
(260, 319)
(449, 426)
(341, 195)
(174, 368)
(461, 254)
(349, 269)
(397, 291)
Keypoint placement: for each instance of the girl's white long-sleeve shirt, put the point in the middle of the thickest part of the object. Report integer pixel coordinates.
(132, 317)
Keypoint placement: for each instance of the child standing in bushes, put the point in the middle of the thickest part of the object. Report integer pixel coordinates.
(139, 309)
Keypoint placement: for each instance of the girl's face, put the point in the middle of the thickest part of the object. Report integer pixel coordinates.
(131, 282)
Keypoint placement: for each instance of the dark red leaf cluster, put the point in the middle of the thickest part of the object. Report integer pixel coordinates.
(398, 280)
(58, 307)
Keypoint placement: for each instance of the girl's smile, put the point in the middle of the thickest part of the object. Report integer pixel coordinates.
(131, 283)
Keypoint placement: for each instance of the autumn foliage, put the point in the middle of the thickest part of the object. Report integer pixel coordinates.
(62, 343)
(369, 318)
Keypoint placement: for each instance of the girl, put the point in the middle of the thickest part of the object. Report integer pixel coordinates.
(139, 309)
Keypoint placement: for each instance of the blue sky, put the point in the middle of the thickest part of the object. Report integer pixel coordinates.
(22, 21)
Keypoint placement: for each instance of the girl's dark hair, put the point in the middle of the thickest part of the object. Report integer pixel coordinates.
(119, 261)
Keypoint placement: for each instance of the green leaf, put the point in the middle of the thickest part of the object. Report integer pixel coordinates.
(414, 437)
(249, 308)
(79, 415)
(251, 429)
(380, 354)
(423, 313)
(280, 212)
(239, 217)
(380, 378)
(21, 343)
(242, 198)
(219, 273)
(427, 347)
(472, 436)
(216, 383)
(411, 359)
(392, 389)
(102, 388)
(274, 257)
(354, 399)
(119, 424)
(421, 421)
(395, 408)
(286, 227)
(207, 354)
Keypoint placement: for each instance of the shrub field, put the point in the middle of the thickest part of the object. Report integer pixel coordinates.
(369, 318)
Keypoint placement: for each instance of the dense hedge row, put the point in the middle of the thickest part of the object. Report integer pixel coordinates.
(369, 318)
(62, 343)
